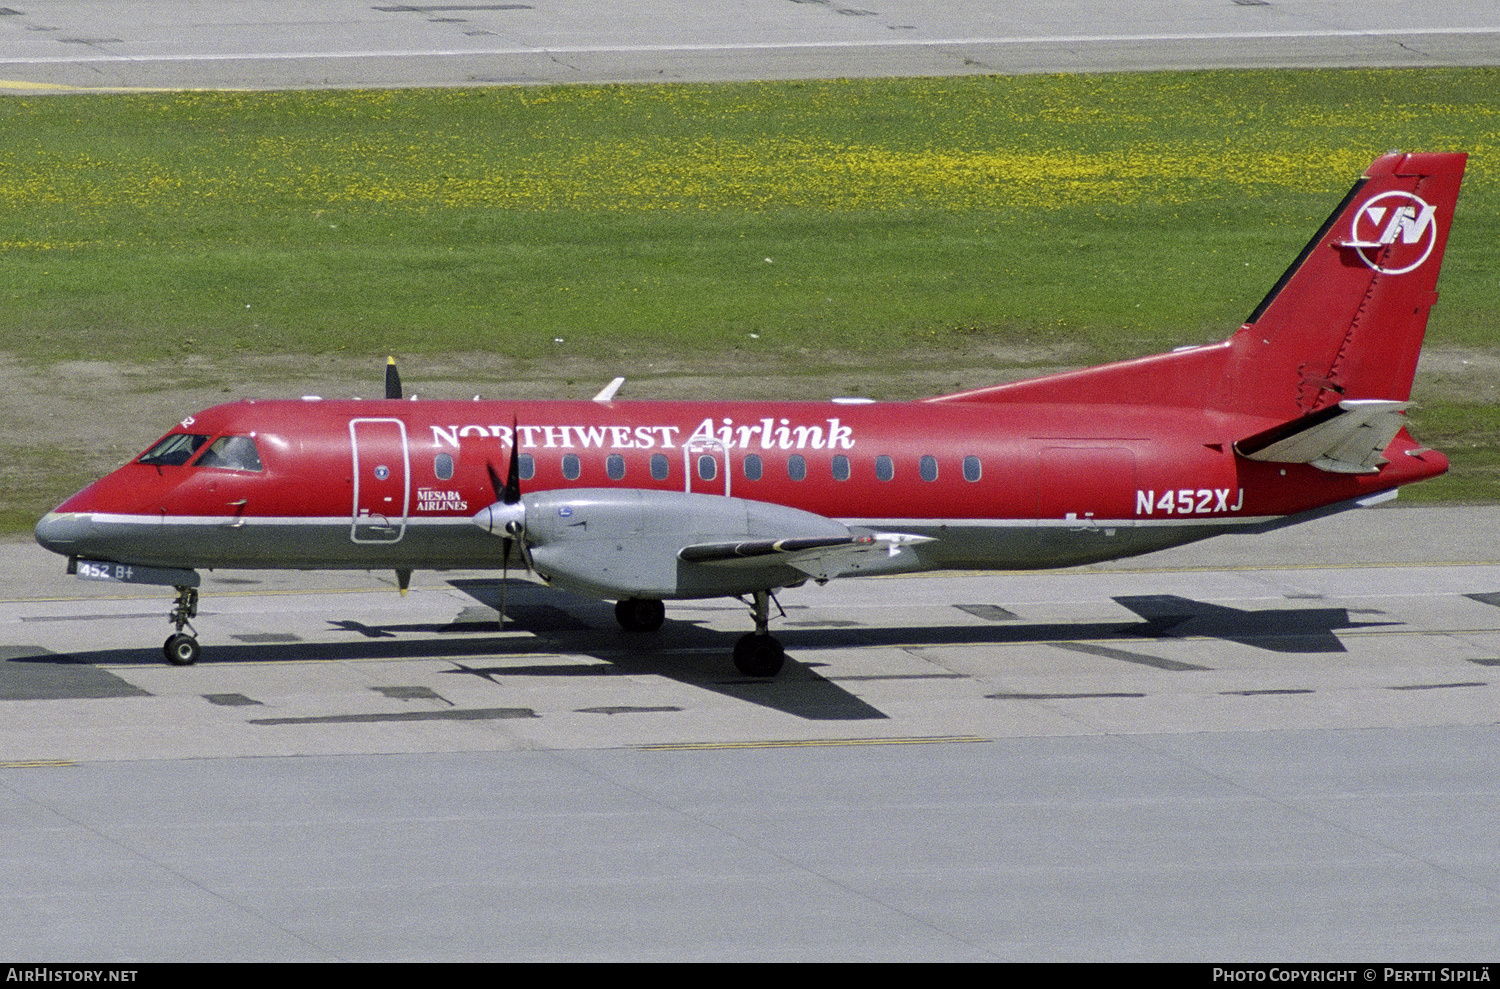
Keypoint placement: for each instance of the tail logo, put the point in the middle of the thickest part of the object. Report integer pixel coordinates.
(1394, 232)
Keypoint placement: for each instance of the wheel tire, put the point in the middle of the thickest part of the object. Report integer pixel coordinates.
(757, 655)
(181, 649)
(640, 614)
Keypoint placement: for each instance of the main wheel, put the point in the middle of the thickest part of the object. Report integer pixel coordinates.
(640, 614)
(759, 655)
(181, 649)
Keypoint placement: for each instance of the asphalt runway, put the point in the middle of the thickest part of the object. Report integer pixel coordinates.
(46, 45)
(1268, 748)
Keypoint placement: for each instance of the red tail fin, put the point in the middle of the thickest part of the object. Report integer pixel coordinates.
(1345, 321)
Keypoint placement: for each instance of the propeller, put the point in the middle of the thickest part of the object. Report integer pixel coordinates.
(507, 511)
(393, 390)
(392, 379)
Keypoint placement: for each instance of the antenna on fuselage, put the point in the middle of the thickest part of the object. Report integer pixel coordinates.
(608, 394)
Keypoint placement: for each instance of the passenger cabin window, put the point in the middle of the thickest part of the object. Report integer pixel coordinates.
(528, 466)
(572, 466)
(173, 450)
(614, 466)
(708, 468)
(796, 467)
(927, 467)
(661, 467)
(973, 469)
(442, 467)
(232, 453)
(885, 468)
(840, 467)
(754, 468)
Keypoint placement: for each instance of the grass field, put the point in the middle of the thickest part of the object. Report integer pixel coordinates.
(1116, 214)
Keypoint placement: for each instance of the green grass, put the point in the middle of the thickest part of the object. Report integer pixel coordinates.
(1114, 214)
(1128, 212)
(36, 479)
(1470, 436)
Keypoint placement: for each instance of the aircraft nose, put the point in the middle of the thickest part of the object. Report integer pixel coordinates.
(64, 532)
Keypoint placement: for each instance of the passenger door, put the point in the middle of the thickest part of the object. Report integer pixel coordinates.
(382, 480)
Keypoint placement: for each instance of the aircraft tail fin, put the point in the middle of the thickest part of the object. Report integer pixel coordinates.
(1345, 322)
(1347, 319)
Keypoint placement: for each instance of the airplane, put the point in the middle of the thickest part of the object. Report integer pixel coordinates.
(1298, 414)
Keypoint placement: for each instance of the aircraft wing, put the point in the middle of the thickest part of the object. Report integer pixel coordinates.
(821, 557)
(635, 543)
(1348, 438)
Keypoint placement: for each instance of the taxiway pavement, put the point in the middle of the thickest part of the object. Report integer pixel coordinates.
(46, 45)
(1310, 627)
(1313, 626)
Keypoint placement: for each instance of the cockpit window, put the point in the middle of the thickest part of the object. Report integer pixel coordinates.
(232, 453)
(173, 450)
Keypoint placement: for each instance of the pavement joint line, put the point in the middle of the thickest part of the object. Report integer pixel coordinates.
(811, 743)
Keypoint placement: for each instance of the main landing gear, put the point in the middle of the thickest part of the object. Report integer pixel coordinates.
(759, 653)
(181, 649)
(756, 654)
(640, 614)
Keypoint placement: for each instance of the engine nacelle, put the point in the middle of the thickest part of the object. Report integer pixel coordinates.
(614, 543)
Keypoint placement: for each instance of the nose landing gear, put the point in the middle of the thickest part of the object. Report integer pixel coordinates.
(181, 649)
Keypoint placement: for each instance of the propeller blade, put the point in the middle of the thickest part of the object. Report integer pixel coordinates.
(495, 482)
(505, 545)
(526, 554)
(392, 379)
(512, 492)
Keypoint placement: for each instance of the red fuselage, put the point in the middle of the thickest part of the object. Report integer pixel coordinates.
(395, 483)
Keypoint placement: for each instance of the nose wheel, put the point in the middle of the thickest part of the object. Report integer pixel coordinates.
(181, 648)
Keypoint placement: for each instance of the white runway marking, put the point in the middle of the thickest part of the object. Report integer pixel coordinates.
(831, 45)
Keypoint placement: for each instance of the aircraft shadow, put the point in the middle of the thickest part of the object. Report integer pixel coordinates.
(540, 621)
(1290, 630)
(543, 621)
(680, 650)
(1165, 616)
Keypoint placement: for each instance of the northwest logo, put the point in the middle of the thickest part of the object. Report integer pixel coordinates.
(1394, 232)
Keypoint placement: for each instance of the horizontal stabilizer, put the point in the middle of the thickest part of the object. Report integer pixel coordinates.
(820, 557)
(1348, 438)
